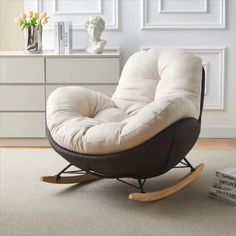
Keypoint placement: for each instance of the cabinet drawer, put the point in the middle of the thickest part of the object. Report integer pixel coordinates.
(82, 70)
(22, 98)
(21, 70)
(20, 125)
(106, 89)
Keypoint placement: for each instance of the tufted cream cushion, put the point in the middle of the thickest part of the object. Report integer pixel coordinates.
(156, 88)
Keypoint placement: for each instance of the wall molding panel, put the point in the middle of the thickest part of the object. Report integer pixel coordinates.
(204, 9)
(214, 92)
(109, 10)
(212, 58)
(156, 16)
(57, 11)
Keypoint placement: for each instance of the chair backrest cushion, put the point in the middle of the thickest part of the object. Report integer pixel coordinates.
(159, 75)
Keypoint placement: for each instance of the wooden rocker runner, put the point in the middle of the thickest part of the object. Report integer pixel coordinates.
(58, 179)
(151, 196)
(140, 133)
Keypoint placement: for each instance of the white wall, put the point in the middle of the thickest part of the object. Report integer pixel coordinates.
(11, 37)
(206, 27)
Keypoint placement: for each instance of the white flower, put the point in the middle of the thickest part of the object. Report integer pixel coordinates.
(18, 20)
(44, 21)
(36, 15)
(43, 15)
(22, 16)
(30, 14)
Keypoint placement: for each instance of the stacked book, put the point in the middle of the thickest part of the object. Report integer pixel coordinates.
(63, 37)
(224, 185)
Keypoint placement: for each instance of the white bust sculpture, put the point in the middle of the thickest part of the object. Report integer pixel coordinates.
(95, 26)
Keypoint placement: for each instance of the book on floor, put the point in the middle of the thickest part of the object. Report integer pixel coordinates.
(224, 185)
(228, 173)
(225, 182)
(224, 199)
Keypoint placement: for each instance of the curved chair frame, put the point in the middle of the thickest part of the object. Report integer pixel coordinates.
(154, 157)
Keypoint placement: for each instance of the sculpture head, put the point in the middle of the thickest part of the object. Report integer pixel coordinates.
(95, 26)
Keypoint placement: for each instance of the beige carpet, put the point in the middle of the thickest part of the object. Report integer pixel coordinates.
(30, 207)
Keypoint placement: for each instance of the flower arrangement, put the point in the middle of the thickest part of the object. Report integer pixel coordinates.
(32, 24)
(32, 19)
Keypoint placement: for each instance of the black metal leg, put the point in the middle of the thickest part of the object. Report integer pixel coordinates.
(141, 185)
(62, 171)
(189, 165)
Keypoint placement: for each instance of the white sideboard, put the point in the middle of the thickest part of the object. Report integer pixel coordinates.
(26, 80)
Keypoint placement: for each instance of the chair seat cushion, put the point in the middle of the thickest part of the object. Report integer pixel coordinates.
(89, 122)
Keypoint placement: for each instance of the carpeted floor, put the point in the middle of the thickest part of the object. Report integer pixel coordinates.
(30, 207)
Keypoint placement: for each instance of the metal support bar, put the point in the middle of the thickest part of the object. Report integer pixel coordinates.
(74, 172)
(177, 167)
(62, 171)
(189, 165)
(183, 163)
(122, 181)
(141, 185)
(144, 181)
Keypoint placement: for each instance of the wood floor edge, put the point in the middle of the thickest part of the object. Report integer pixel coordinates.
(208, 143)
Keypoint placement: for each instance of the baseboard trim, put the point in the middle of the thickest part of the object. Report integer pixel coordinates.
(218, 132)
(215, 143)
(24, 142)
